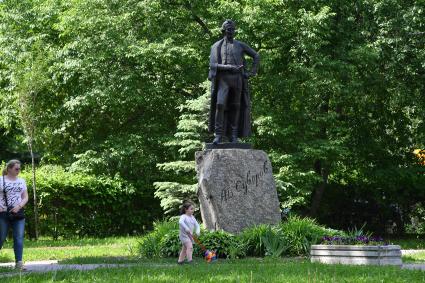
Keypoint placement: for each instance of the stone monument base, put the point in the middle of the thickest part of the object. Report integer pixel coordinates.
(236, 189)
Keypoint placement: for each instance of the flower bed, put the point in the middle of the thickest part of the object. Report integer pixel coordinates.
(356, 254)
(354, 240)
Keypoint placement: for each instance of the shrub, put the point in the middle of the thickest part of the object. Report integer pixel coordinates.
(273, 242)
(154, 244)
(293, 237)
(222, 242)
(238, 248)
(164, 241)
(170, 245)
(416, 225)
(252, 237)
(300, 233)
(77, 204)
(149, 247)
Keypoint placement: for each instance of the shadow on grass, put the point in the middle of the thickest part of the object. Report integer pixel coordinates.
(99, 259)
(122, 260)
(6, 258)
(411, 259)
(5, 269)
(409, 243)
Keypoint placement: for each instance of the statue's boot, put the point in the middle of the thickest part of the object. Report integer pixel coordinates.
(234, 123)
(219, 120)
(217, 139)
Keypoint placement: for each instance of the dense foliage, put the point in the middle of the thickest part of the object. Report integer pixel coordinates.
(338, 103)
(292, 237)
(191, 130)
(77, 205)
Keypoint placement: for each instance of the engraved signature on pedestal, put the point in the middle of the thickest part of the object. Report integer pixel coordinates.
(241, 186)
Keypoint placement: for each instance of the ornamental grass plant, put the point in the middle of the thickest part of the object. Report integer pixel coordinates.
(300, 233)
(273, 243)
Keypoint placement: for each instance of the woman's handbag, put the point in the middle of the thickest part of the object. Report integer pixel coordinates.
(11, 216)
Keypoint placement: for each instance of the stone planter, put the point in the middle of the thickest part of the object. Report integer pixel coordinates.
(352, 254)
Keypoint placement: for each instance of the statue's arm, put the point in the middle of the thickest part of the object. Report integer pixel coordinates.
(213, 65)
(254, 55)
(221, 67)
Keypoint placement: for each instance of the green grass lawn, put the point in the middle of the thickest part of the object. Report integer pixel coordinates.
(117, 249)
(123, 250)
(244, 270)
(413, 243)
(48, 242)
(416, 257)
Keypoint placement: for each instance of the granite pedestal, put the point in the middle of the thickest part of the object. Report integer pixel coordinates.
(236, 189)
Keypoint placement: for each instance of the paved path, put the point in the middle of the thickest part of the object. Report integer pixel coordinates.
(418, 266)
(53, 265)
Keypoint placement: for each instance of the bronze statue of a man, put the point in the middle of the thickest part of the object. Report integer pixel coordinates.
(230, 112)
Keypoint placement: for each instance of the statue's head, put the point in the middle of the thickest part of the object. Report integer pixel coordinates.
(228, 23)
(228, 28)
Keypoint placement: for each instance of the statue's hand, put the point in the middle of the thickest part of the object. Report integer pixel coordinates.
(236, 68)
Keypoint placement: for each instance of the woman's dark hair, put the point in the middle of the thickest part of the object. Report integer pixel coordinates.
(185, 206)
(9, 165)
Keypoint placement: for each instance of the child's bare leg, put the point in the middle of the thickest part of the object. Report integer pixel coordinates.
(182, 253)
(189, 250)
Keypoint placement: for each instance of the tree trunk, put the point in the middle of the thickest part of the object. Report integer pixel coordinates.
(30, 142)
(320, 189)
(319, 168)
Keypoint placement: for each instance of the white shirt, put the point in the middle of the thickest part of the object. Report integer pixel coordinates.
(187, 225)
(14, 190)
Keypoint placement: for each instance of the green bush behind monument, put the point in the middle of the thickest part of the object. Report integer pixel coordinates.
(73, 204)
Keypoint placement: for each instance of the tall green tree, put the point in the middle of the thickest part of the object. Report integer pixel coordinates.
(337, 102)
(191, 133)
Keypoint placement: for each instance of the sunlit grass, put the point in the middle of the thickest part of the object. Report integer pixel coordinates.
(415, 257)
(245, 270)
(120, 249)
(48, 242)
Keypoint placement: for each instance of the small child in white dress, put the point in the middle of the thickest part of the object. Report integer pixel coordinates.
(187, 225)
